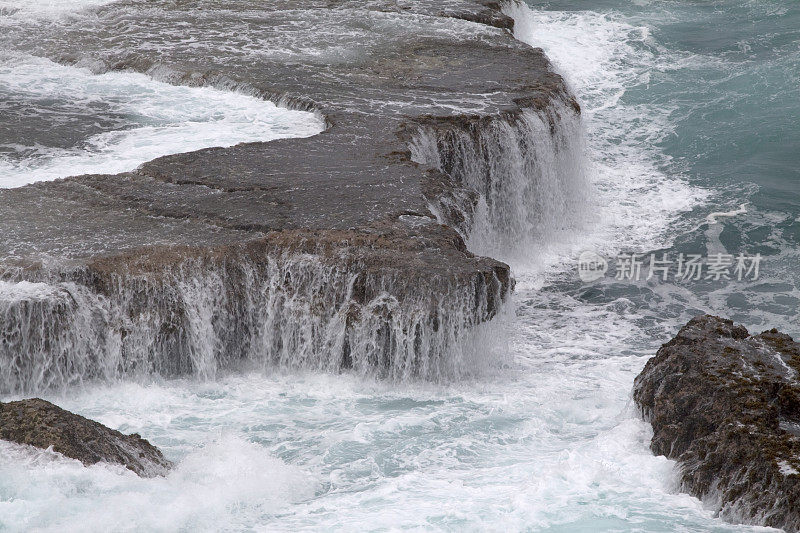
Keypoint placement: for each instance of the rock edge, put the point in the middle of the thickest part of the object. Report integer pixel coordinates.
(726, 405)
(39, 423)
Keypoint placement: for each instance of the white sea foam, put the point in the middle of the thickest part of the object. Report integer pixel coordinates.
(224, 482)
(26, 290)
(635, 196)
(44, 9)
(712, 217)
(548, 443)
(157, 119)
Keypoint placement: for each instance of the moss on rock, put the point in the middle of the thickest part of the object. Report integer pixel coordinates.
(726, 405)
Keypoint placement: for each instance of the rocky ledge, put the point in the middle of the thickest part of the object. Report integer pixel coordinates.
(327, 252)
(39, 423)
(726, 405)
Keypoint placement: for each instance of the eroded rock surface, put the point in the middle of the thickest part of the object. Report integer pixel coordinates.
(726, 405)
(39, 423)
(334, 236)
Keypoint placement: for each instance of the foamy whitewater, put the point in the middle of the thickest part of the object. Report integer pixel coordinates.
(546, 441)
(124, 119)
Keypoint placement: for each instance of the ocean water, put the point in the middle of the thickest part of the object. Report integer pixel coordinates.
(689, 109)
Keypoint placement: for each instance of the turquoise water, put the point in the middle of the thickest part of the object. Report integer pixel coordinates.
(709, 92)
(690, 108)
(736, 132)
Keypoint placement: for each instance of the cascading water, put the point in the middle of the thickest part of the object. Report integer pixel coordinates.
(255, 308)
(528, 170)
(63, 326)
(546, 442)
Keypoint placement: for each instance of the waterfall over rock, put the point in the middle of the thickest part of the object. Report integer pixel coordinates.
(307, 303)
(319, 252)
(519, 177)
(255, 304)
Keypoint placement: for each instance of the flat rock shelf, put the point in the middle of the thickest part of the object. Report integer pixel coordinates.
(323, 252)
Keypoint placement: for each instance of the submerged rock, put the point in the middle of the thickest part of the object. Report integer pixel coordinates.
(726, 405)
(39, 423)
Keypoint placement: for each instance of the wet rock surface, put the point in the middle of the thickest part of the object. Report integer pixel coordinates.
(350, 197)
(726, 405)
(373, 69)
(39, 423)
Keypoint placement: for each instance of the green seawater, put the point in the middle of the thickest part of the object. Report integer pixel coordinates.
(712, 94)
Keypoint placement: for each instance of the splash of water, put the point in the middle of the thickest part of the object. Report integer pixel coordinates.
(276, 309)
(528, 170)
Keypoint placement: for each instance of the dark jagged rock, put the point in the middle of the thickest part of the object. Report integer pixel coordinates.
(39, 423)
(726, 405)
